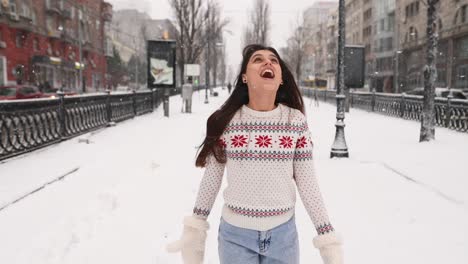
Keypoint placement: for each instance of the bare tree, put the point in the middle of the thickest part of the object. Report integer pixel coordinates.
(190, 21)
(430, 75)
(213, 34)
(295, 53)
(259, 27)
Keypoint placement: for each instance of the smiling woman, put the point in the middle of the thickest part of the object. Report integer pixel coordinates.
(260, 136)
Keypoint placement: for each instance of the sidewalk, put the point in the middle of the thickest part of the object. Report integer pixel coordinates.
(394, 200)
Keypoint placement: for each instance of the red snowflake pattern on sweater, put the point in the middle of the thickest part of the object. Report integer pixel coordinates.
(239, 141)
(301, 142)
(263, 141)
(222, 143)
(286, 142)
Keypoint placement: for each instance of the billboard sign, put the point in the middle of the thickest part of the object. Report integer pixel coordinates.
(354, 66)
(192, 69)
(161, 63)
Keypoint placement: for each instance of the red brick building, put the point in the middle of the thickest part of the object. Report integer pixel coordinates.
(40, 43)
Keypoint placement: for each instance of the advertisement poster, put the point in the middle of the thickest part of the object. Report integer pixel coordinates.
(161, 64)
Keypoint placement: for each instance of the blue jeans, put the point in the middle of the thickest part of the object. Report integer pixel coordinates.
(279, 245)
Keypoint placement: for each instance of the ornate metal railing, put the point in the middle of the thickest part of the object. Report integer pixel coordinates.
(449, 113)
(26, 125)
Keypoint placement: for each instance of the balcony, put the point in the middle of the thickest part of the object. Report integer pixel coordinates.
(53, 7)
(69, 35)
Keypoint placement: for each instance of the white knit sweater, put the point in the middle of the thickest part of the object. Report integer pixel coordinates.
(268, 154)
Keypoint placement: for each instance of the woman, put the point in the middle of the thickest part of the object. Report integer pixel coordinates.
(260, 135)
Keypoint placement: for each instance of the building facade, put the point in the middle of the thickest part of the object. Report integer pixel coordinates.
(315, 23)
(452, 54)
(41, 42)
(331, 48)
(383, 52)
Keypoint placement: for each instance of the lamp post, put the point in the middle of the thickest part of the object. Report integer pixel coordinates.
(137, 60)
(339, 148)
(207, 72)
(80, 51)
(397, 71)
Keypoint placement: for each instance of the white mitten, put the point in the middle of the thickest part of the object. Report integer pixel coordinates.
(330, 248)
(192, 242)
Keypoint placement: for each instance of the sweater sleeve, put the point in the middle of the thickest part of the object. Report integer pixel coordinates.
(209, 187)
(306, 181)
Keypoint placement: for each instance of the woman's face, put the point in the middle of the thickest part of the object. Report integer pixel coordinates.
(263, 72)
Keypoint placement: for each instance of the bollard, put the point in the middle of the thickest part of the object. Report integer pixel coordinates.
(166, 102)
(402, 105)
(108, 107)
(61, 114)
(152, 99)
(134, 103)
(448, 110)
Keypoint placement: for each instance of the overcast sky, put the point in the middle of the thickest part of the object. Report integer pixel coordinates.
(284, 15)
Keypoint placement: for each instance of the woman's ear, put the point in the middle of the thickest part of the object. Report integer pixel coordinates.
(244, 78)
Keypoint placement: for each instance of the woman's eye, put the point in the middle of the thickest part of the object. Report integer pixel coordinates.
(257, 59)
(274, 60)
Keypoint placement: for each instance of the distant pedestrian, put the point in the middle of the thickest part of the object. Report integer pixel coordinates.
(316, 98)
(260, 136)
(229, 86)
(187, 92)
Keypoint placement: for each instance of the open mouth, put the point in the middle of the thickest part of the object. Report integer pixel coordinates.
(268, 74)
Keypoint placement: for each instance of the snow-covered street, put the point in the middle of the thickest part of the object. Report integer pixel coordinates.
(127, 188)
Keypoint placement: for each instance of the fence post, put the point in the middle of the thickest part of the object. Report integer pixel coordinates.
(448, 112)
(61, 114)
(402, 105)
(152, 100)
(108, 107)
(134, 103)
(373, 101)
(325, 99)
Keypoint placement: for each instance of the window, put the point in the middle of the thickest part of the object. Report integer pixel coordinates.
(462, 77)
(412, 9)
(50, 23)
(441, 77)
(462, 48)
(7, 91)
(13, 6)
(391, 22)
(412, 35)
(36, 44)
(368, 14)
(20, 39)
(463, 13)
(33, 17)
(28, 90)
(3, 70)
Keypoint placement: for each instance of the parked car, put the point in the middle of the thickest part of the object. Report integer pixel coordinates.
(52, 93)
(465, 92)
(14, 92)
(440, 92)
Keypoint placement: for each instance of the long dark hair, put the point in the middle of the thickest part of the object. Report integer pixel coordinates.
(287, 94)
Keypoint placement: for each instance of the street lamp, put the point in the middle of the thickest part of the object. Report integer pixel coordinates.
(339, 147)
(207, 72)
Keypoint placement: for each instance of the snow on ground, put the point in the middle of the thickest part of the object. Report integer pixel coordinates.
(394, 200)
